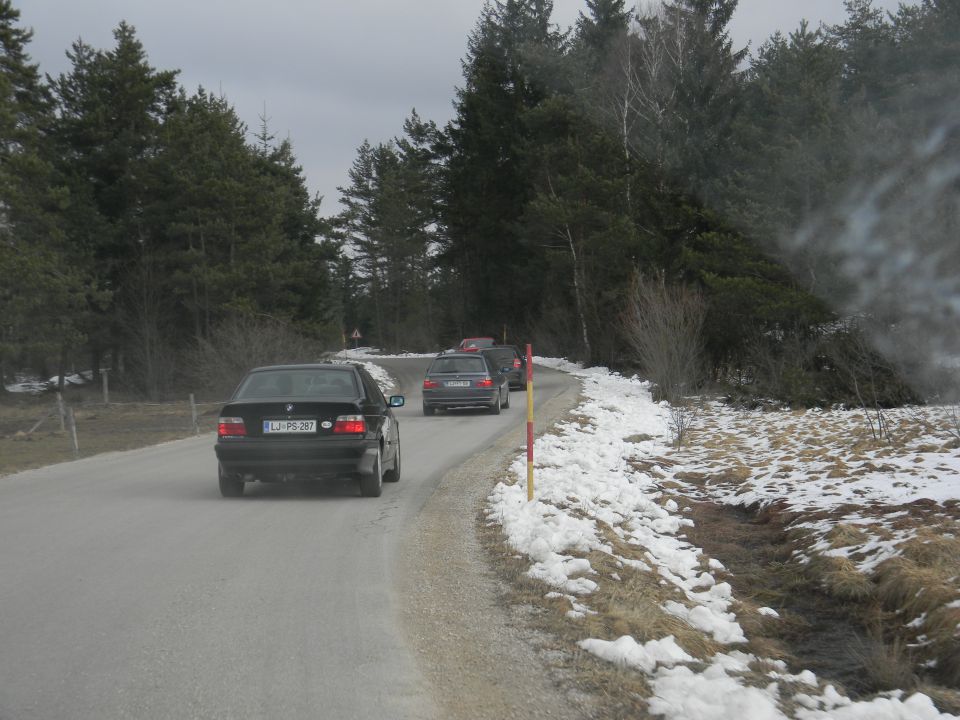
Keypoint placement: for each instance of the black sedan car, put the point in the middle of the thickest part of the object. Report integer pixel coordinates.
(463, 380)
(510, 362)
(292, 422)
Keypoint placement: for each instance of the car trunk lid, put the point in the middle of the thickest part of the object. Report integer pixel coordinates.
(254, 413)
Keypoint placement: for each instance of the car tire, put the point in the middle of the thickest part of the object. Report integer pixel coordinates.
(230, 487)
(507, 403)
(371, 485)
(427, 410)
(495, 408)
(394, 474)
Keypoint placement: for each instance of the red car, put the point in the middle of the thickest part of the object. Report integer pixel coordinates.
(474, 344)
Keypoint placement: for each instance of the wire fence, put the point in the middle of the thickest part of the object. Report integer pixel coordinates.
(41, 434)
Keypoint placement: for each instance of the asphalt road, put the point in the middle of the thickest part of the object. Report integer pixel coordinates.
(130, 589)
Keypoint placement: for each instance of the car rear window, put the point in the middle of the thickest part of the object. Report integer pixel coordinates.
(501, 358)
(319, 382)
(458, 365)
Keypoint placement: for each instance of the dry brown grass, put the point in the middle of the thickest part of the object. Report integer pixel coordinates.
(845, 535)
(119, 426)
(933, 547)
(941, 627)
(889, 665)
(904, 585)
(735, 472)
(946, 699)
(631, 606)
(840, 578)
(621, 692)
(920, 583)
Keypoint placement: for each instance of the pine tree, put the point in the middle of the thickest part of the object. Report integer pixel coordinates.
(488, 172)
(578, 215)
(232, 224)
(389, 224)
(110, 108)
(788, 159)
(43, 290)
(601, 30)
(688, 91)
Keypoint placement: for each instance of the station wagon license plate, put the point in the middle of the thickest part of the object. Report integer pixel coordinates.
(289, 426)
(457, 383)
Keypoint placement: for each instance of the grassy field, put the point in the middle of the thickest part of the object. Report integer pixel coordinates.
(31, 435)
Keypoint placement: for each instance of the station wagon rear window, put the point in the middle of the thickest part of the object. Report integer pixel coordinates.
(458, 365)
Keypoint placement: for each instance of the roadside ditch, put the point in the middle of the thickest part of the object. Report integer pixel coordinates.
(851, 642)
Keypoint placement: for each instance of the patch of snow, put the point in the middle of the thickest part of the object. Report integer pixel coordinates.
(628, 652)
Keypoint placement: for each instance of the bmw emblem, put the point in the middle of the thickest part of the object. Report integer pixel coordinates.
(289, 407)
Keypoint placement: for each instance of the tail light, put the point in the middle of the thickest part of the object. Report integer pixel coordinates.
(486, 382)
(347, 424)
(231, 427)
(430, 384)
(517, 363)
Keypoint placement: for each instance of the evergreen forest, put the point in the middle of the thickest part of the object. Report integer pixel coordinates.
(793, 190)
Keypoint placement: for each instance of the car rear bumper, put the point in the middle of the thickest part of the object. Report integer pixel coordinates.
(268, 459)
(446, 399)
(517, 379)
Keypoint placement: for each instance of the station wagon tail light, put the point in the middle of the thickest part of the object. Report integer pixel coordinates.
(347, 424)
(486, 382)
(516, 362)
(231, 427)
(430, 384)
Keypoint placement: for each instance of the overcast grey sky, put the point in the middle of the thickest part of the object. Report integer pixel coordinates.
(330, 72)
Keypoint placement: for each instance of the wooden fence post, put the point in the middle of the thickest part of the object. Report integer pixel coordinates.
(72, 422)
(62, 411)
(193, 415)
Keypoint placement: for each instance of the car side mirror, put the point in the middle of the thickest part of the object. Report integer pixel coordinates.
(397, 401)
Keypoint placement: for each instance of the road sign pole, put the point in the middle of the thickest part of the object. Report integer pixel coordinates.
(529, 423)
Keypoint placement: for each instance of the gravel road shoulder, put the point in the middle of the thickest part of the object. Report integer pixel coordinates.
(480, 658)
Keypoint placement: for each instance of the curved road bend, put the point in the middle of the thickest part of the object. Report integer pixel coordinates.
(130, 589)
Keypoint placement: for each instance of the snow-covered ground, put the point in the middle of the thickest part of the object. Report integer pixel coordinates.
(364, 355)
(601, 471)
(35, 385)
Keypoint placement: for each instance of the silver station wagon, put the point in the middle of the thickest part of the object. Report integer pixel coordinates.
(464, 380)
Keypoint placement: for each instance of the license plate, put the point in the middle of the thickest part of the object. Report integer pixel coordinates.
(457, 383)
(289, 426)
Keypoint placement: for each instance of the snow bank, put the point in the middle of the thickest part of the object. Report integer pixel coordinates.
(584, 481)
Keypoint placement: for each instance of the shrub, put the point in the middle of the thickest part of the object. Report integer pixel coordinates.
(664, 326)
(241, 342)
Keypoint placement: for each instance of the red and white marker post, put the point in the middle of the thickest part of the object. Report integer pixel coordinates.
(529, 423)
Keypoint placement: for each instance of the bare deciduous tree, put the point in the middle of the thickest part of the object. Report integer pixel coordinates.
(868, 374)
(683, 414)
(242, 342)
(642, 83)
(664, 326)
